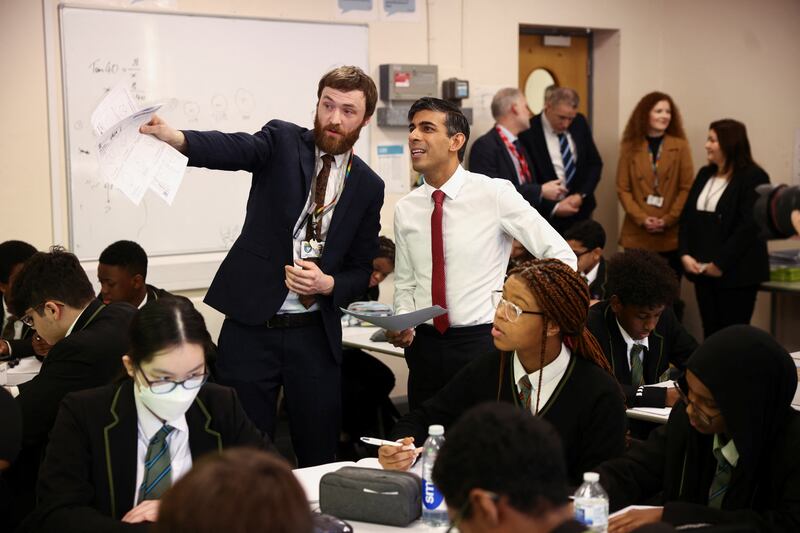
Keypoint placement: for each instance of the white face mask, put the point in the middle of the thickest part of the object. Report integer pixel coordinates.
(169, 406)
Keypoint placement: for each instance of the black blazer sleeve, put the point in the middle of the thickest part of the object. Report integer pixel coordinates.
(744, 231)
(481, 158)
(485, 159)
(11, 424)
(230, 151)
(65, 489)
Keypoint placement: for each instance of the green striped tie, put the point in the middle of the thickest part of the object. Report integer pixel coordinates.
(719, 486)
(525, 391)
(157, 466)
(637, 369)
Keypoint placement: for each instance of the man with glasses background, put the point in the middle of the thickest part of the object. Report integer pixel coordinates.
(53, 295)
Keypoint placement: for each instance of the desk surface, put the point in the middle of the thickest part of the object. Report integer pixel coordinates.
(780, 286)
(358, 337)
(27, 368)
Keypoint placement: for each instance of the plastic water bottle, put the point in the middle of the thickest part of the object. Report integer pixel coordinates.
(591, 503)
(434, 510)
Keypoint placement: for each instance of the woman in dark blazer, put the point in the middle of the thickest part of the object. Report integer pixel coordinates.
(728, 454)
(718, 239)
(106, 466)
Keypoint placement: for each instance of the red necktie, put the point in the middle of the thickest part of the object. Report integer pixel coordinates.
(438, 294)
(516, 151)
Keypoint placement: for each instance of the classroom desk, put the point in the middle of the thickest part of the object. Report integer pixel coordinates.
(358, 337)
(309, 480)
(776, 288)
(25, 371)
(660, 416)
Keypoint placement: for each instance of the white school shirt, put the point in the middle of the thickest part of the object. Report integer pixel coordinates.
(180, 454)
(712, 191)
(292, 302)
(551, 376)
(480, 218)
(592, 274)
(554, 148)
(629, 342)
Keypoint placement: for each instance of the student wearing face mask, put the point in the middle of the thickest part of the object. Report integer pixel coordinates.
(728, 454)
(114, 450)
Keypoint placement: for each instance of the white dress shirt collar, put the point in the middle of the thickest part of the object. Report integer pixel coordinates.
(551, 376)
(72, 326)
(144, 300)
(510, 136)
(337, 159)
(592, 274)
(548, 128)
(452, 186)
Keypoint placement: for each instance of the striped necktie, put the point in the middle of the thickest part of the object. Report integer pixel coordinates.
(566, 158)
(719, 485)
(314, 231)
(157, 466)
(637, 368)
(526, 388)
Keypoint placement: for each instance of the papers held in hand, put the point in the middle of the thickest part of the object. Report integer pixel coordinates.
(399, 322)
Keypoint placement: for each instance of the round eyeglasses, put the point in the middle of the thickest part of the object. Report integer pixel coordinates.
(511, 311)
(163, 386)
(706, 419)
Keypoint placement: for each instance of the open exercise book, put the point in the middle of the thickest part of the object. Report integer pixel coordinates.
(309, 477)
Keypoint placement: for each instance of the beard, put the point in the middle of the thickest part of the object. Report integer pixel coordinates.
(334, 145)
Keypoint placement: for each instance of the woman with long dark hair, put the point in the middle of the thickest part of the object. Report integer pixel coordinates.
(548, 363)
(114, 450)
(718, 239)
(654, 175)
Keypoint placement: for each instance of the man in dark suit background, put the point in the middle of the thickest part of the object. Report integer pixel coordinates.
(16, 338)
(53, 294)
(279, 291)
(561, 147)
(498, 153)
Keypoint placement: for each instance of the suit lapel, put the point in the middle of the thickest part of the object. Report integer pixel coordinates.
(540, 145)
(307, 150)
(510, 170)
(349, 191)
(121, 441)
(88, 314)
(202, 438)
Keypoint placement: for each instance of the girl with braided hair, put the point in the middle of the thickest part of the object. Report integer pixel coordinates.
(548, 363)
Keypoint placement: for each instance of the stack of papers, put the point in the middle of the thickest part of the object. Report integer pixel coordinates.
(134, 163)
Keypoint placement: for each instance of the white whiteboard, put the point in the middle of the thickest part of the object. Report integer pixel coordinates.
(223, 73)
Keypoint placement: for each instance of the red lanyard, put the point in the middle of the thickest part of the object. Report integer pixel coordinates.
(523, 165)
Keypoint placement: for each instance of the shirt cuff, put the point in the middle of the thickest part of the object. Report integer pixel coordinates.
(13, 389)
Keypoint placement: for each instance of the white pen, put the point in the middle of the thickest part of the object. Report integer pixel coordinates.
(380, 442)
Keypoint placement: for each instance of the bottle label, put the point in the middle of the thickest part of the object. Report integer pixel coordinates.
(431, 497)
(591, 515)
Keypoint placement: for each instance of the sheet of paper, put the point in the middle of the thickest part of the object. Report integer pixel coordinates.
(631, 508)
(393, 167)
(134, 163)
(115, 107)
(658, 411)
(400, 322)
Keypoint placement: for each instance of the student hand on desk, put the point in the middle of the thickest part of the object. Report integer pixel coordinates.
(308, 279)
(147, 511)
(398, 458)
(401, 339)
(40, 346)
(633, 519)
(163, 131)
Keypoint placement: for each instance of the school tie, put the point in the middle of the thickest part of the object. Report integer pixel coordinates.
(157, 466)
(8, 329)
(719, 485)
(637, 368)
(566, 158)
(525, 390)
(438, 291)
(312, 232)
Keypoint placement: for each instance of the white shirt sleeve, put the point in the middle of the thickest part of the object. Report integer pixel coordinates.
(520, 220)
(404, 281)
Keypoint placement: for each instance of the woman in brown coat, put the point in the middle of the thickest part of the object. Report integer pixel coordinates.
(654, 176)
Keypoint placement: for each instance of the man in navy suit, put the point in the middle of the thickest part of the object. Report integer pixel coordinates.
(498, 153)
(306, 249)
(560, 144)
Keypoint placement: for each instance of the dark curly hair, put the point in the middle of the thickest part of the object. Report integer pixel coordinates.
(128, 255)
(503, 449)
(641, 277)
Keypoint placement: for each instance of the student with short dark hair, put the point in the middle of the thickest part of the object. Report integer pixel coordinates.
(15, 337)
(53, 294)
(637, 328)
(237, 491)
(548, 363)
(502, 469)
(122, 273)
(728, 454)
(587, 239)
(114, 450)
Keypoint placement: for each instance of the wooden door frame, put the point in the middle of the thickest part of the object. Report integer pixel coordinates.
(532, 29)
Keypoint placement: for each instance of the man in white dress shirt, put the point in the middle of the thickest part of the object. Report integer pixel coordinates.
(454, 238)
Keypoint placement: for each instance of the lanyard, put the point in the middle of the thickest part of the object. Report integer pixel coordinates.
(524, 171)
(315, 213)
(654, 162)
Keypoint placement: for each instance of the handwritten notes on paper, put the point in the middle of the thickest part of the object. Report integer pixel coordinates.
(134, 163)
